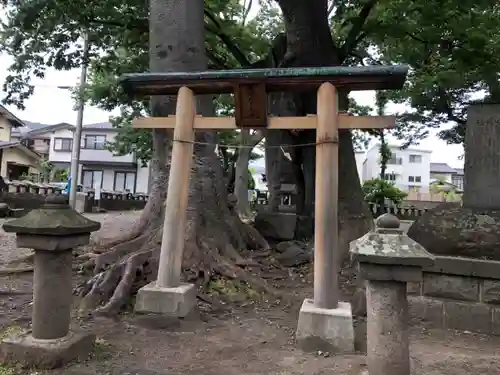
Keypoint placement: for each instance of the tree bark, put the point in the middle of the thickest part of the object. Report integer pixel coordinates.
(279, 168)
(310, 44)
(248, 141)
(214, 233)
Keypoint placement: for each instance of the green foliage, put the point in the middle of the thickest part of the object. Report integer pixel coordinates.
(453, 49)
(448, 191)
(378, 190)
(251, 181)
(43, 34)
(46, 168)
(61, 175)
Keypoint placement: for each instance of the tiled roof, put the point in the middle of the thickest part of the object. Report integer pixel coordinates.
(99, 125)
(16, 122)
(441, 168)
(34, 128)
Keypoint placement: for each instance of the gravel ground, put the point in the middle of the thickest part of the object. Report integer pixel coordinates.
(252, 340)
(112, 224)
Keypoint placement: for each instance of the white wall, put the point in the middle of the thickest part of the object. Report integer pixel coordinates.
(259, 184)
(60, 156)
(142, 185)
(402, 171)
(92, 155)
(360, 158)
(371, 167)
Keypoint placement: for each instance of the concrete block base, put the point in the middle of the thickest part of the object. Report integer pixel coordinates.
(178, 301)
(26, 351)
(328, 330)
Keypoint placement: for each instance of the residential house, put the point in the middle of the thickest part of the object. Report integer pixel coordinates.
(408, 168)
(98, 166)
(443, 172)
(16, 159)
(33, 135)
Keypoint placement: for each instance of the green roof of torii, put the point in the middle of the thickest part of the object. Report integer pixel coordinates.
(286, 79)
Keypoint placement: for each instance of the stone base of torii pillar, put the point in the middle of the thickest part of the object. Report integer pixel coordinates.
(327, 330)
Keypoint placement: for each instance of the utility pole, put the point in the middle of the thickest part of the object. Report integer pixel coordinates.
(75, 151)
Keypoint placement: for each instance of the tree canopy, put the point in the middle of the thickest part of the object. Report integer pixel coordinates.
(453, 53)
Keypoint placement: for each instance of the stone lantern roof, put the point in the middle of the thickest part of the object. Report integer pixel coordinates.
(54, 218)
(389, 245)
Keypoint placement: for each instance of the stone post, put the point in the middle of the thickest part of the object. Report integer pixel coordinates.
(52, 231)
(482, 159)
(388, 259)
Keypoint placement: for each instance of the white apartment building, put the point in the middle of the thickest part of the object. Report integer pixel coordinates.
(97, 164)
(408, 168)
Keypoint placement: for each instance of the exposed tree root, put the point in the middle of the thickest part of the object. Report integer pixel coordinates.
(214, 240)
(105, 259)
(119, 273)
(14, 293)
(15, 271)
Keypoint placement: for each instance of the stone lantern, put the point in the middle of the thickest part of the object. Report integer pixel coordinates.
(53, 231)
(388, 259)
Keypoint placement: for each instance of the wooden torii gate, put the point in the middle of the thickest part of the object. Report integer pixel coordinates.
(250, 88)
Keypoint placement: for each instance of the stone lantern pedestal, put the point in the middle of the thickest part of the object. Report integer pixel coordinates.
(388, 259)
(52, 231)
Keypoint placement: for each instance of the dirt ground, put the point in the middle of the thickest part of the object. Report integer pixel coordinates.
(249, 338)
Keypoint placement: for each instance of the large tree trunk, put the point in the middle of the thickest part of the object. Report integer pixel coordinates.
(241, 181)
(281, 167)
(310, 44)
(247, 141)
(214, 232)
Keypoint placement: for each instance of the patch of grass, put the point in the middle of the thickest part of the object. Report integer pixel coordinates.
(102, 350)
(234, 290)
(6, 370)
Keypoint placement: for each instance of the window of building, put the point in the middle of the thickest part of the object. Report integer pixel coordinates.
(414, 179)
(415, 158)
(390, 177)
(414, 188)
(125, 181)
(94, 142)
(63, 144)
(91, 178)
(458, 181)
(395, 160)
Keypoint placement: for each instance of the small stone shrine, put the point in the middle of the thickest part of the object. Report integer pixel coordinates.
(53, 231)
(388, 259)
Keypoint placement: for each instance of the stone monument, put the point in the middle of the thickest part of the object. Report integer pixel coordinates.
(471, 229)
(53, 231)
(388, 260)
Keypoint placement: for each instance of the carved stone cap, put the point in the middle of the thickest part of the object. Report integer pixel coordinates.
(389, 245)
(54, 218)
